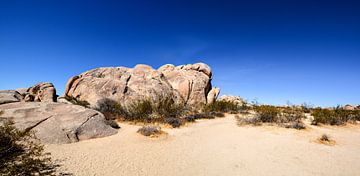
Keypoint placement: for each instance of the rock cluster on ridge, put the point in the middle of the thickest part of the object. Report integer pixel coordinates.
(189, 84)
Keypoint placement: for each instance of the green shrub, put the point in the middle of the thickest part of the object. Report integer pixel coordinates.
(145, 110)
(335, 116)
(267, 113)
(288, 117)
(221, 106)
(77, 102)
(22, 154)
(110, 108)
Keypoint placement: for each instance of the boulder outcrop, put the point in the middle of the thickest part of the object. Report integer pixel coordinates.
(233, 99)
(188, 84)
(10, 96)
(57, 122)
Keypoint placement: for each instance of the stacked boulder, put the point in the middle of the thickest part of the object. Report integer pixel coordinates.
(232, 99)
(189, 84)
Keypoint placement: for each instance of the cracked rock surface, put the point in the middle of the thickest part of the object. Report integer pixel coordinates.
(57, 122)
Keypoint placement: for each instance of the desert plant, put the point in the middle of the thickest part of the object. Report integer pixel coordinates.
(22, 154)
(267, 113)
(77, 102)
(221, 106)
(296, 125)
(110, 108)
(247, 120)
(141, 111)
(165, 106)
(325, 138)
(174, 122)
(334, 116)
(150, 130)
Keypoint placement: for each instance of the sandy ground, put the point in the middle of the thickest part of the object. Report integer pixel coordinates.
(215, 147)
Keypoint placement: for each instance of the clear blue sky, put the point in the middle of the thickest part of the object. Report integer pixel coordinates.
(274, 51)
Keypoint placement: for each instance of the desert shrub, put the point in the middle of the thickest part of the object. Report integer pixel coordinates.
(289, 117)
(140, 110)
(325, 138)
(150, 130)
(110, 108)
(145, 110)
(291, 114)
(77, 102)
(247, 120)
(267, 113)
(335, 116)
(190, 118)
(204, 116)
(165, 106)
(295, 125)
(22, 154)
(221, 106)
(216, 114)
(174, 122)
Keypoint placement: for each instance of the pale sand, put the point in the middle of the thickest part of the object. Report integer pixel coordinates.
(215, 147)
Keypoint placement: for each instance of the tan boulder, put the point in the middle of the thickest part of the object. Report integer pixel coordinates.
(213, 94)
(57, 122)
(192, 81)
(44, 92)
(188, 84)
(349, 107)
(125, 85)
(10, 96)
(233, 99)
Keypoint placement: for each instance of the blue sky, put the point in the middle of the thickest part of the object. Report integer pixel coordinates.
(272, 51)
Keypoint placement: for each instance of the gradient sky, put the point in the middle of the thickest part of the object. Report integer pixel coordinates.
(272, 51)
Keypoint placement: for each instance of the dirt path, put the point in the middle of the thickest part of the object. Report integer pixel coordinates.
(215, 147)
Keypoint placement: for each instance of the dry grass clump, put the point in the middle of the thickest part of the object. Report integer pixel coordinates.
(326, 139)
(22, 154)
(334, 116)
(152, 131)
(288, 117)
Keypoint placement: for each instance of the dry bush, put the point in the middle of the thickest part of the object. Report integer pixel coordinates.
(288, 117)
(326, 139)
(221, 106)
(77, 102)
(22, 154)
(334, 116)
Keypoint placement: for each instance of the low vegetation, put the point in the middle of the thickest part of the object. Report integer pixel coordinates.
(152, 131)
(77, 102)
(22, 154)
(326, 139)
(288, 117)
(334, 116)
(145, 110)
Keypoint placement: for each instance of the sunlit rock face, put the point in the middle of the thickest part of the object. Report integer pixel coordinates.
(189, 84)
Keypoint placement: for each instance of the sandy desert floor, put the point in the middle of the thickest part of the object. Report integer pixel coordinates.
(215, 147)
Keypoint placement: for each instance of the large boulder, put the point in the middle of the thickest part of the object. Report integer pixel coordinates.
(57, 122)
(9, 96)
(189, 84)
(44, 92)
(232, 99)
(192, 81)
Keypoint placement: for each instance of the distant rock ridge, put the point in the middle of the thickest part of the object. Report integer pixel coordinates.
(189, 84)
